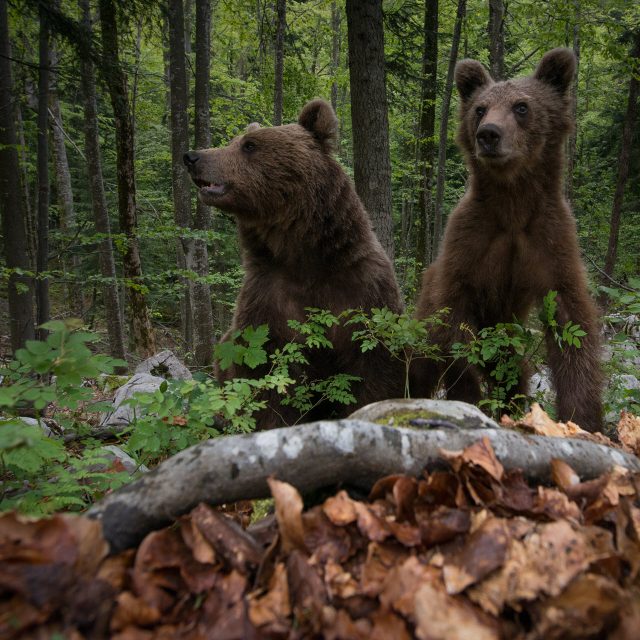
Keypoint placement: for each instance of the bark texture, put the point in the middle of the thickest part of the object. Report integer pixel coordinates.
(101, 220)
(370, 123)
(444, 123)
(628, 127)
(202, 312)
(317, 455)
(495, 30)
(426, 149)
(181, 183)
(141, 332)
(281, 21)
(19, 287)
(42, 254)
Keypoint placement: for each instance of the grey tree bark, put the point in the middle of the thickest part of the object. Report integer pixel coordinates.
(317, 455)
(203, 313)
(495, 30)
(335, 53)
(180, 181)
(444, 124)
(19, 287)
(281, 23)
(426, 146)
(628, 128)
(141, 332)
(369, 117)
(573, 135)
(110, 296)
(43, 310)
(70, 259)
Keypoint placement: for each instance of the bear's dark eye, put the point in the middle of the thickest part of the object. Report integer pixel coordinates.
(521, 109)
(249, 146)
(480, 111)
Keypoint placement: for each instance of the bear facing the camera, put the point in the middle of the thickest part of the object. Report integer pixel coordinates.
(512, 238)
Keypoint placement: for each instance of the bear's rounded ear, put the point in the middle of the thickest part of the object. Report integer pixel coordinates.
(557, 69)
(470, 76)
(252, 127)
(319, 118)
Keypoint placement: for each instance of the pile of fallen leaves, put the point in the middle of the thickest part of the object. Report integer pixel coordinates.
(471, 552)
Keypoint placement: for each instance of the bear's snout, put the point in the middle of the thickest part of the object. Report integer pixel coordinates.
(190, 158)
(488, 137)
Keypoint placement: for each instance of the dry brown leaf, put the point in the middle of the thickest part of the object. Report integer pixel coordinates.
(443, 524)
(629, 431)
(388, 626)
(584, 609)
(556, 505)
(402, 583)
(340, 509)
(289, 505)
(541, 424)
(484, 551)
(339, 582)
(440, 616)
(273, 608)
(381, 558)
(480, 454)
(563, 475)
(132, 611)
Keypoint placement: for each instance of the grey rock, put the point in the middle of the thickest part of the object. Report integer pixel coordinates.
(166, 365)
(123, 414)
(46, 428)
(540, 386)
(421, 412)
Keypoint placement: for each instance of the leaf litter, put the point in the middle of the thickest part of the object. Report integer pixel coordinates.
(472, 552)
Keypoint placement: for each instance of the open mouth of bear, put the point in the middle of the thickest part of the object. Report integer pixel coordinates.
(210, 188)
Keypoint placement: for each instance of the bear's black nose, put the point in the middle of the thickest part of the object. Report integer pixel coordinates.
(190, 158)
(488, 137)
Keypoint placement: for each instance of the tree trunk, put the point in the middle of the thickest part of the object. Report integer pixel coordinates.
(444, 123)
(43, 310)
(19, 287)
(179, 145)
(495, 29)
(426, 147)
(106, 260)
(142, 337)
(202, 311)
(335, 53)
(370, 124)
(281, 17)
(623, 160)
(65, 199)
(573, 135)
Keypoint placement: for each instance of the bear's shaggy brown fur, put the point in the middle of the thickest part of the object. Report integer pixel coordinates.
(306, 241)
(512, 238)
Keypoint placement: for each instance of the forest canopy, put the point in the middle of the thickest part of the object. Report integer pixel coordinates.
(260, 62)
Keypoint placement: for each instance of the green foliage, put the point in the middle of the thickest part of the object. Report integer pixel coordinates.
(39, 474)
(569, 334)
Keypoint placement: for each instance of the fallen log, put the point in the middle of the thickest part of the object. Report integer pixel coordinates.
(320, 454)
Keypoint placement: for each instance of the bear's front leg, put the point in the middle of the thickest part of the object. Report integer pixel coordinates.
(576, 371)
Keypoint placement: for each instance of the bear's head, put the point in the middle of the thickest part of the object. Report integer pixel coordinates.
(266, 175)
(513, 126)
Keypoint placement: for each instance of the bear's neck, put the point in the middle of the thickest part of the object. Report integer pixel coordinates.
(330, 235)
(521, 195)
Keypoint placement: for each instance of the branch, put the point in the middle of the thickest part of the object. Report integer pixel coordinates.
(606, 275)
(317, 455)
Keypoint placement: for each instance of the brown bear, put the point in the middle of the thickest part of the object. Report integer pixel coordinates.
(306, 242)
(512, 238)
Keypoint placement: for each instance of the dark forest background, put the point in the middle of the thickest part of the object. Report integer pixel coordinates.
(99, 100)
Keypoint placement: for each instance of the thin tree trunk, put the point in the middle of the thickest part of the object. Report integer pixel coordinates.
(495, 29)
(202, 311)
(444, 123)
(179, 145)
(142, 336)
(65, 197)
(370, 124)
(106, 259)
(426, 147)
(573, 136)
(623, 160)
(19, 287)
(281, 17)
(335, 53)
(43, 310)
